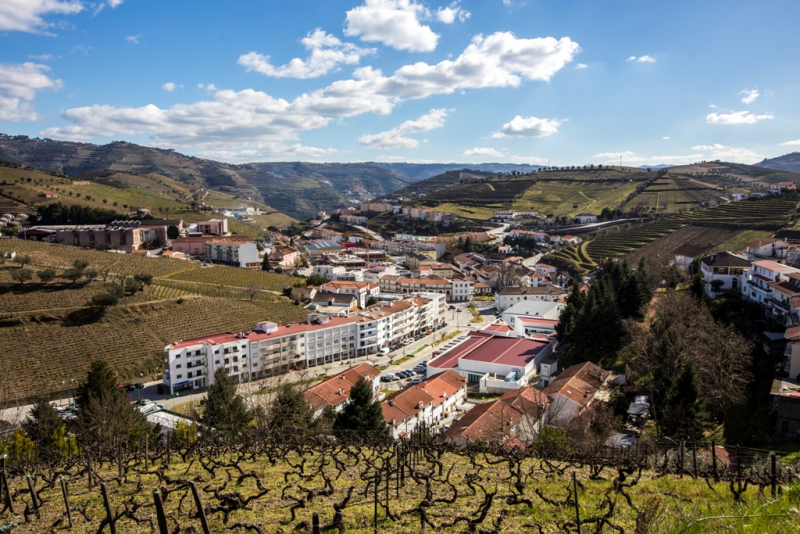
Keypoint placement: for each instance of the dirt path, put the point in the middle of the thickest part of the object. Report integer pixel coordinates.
(594, 200)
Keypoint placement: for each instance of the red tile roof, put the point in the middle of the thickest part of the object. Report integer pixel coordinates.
(578, 383)
(337, 388)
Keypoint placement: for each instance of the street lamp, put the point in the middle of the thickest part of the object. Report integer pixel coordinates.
(138, 386)
(458, 319)
(174, 394)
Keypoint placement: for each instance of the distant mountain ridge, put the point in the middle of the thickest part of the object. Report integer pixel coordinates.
(298, 189)
(422, 171)
(788, 162)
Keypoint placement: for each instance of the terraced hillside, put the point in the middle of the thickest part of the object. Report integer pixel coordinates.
(52, 331)
(703, 230)
(124, 192)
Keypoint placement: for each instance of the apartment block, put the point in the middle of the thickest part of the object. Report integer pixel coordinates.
(228, 252)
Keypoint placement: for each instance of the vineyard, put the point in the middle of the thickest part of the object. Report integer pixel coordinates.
(233, 277)
(42, 349)
(179, 288)
(718, 225)
(273, 486)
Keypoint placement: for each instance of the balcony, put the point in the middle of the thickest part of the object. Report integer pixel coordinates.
(778, 303)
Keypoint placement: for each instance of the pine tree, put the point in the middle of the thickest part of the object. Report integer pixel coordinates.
(41, 425)
(684, 412)
(99, 381)
(225, 410)
(265, 266)
(363, 416)
(290, 415)
(698, 287)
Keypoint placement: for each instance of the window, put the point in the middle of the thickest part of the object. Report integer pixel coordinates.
(179, 376)
(178, 366)
(227, 361)
(216, 351)
(197, 353)
(216, 362)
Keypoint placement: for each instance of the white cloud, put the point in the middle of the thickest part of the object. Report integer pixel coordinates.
(397, 137)
(207, 87)
(243, 119)
(42, 57)
(642, 59)
(327, 53)
(736, 117)
(114, 3)
(729, 153)
(449, 14)
(26, 15)
(133, 38)
(395, 23)
(267, 151)
(666, 138)
(484, 152)
(749, 95)
(529, 127)
(791, 143)
(18, 85)
(402, 159)
(581, 66)
(170, 86)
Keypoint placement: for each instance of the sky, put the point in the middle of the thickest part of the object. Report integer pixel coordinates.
(518, 81)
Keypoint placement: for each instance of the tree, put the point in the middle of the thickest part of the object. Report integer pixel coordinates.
(41, 425)
(265, 266)
(173, 232)
(100, 380)
(132, 285)
(105, 300)
(362, 416)
(371, 301)
(144, 279)
(46, 275)
(21, 275)
(289, 415)
(252, 290)
(21, 260)
(316, 280)
(698, 287)
(225, 410)
(683, 413)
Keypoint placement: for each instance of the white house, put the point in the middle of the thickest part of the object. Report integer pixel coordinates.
(533, 309)
(427, 402)
(758, 278)
(766, 248)
(723, 272)
(585, 218)
(508, 296)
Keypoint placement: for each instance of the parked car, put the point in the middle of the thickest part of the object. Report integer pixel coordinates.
(416, 380)
(384, 351)
(134, 387)
(386, 378)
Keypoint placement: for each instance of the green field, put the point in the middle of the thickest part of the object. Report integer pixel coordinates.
(571, 197)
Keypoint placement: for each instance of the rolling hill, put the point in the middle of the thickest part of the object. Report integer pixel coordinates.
(569, 191)
(297, 189)
(787, 162)
(421, 171)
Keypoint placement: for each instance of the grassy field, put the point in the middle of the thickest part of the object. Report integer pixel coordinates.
(571, 197)
(278, 500)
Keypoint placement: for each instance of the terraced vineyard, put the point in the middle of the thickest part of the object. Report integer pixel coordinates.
(41, 350)
(178, 288)
(718, 225)
(233, 277)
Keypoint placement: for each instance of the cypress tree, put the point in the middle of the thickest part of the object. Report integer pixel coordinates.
(225, 410)
(41, 425)
(99, 381)
(362, 416)
(290, 415)
(684, 405)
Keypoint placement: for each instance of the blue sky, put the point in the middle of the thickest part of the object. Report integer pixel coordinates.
(568, 83)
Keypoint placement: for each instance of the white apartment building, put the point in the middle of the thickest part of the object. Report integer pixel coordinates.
(234, 253)
(191, 363)
(271, 348)
(462, 289)
(757, 279)
(361, 290)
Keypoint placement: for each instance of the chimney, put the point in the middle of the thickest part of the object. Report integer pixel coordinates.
(419, 405)
(341, 391)
(391, 402)
(393, 421)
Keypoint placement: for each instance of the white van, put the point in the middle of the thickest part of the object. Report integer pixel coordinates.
(384, 351)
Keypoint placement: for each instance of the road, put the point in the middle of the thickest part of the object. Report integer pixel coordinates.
(531, 262)
(376, 236)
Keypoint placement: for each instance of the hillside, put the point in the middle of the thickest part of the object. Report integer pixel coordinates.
(47, 326)
(124, 192)
(275, 485)
(787, 162)
(422, 171)
(573, 190)
(297, 189)
(728, 226)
